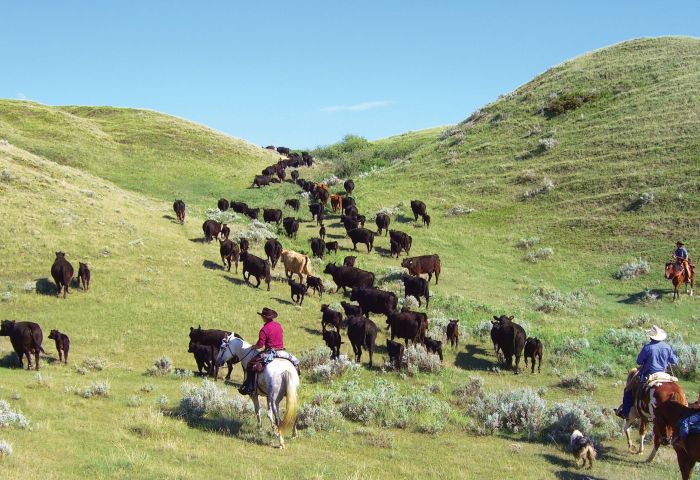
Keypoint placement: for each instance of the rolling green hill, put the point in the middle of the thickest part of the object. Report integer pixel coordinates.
(587, 139)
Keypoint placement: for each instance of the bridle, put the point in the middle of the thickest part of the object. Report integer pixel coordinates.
(234, 357)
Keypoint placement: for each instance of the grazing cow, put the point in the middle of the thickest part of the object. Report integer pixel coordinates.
(322, 195)
(295, 263)
(292, 203)
(382, 220)
(320, 217)
(229, 251)
(62, 345)
(179, 208)
(203, 355)
(434, 346)
(395, 351)
(511, 340)
(283, 150)
(211, 338)
(222, 204)
(291, 226)
(424, 264)
(417, 287)
(270, 147)
(298, 291)
(534, 350)
(225, 231)
(362, 235)
(252, 213)
(362, 332)
(350, 223)
(322, 232)
(351, 211)
(453, 333)
(315, 209)
(62, 273)
(244, 244)
(418, 208)
(318, 247)
(295, 175)
(273, 250)
(373, 300)
(426, 220)
(407, 325)
(330, 317)
(211, 229)
(404, 240)
(315, 284)
(395, 248)
(26, 338)
(345, 277)
(350, 309)
(255, 267)
(336, 203)
(332, 247)
(272, 215)
(261, 181)
(84, 275)
(349, 261)
(349, 186)
(238, 207)
(333, 341)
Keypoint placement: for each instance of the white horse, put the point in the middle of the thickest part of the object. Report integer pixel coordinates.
(278, 380)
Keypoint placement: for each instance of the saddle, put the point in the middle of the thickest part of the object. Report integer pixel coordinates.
(645, 392)
(263, 358)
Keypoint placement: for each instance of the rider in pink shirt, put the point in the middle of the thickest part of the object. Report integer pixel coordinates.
(271, 337)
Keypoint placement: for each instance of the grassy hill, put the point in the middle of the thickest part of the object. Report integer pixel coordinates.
(98, 183)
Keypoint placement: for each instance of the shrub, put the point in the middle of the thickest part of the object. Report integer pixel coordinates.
(160, 367)
(5, 449)
(546, 186)
(408, 302)
(41, 381)
(482, 329)
(29, 286)
(147, 423)
(332, 180)
(539, 255)
(391, 211)
(527, 243)
(527, 176)
(228, 216)
(134, 401)
(639, 202)
(311, 359)
(547, 143)
(582, 381)
(332, 369)
(627, 341)
(581, 415)
(467, 392)
(94, 363)
(633, 269)
(565, 102)
(459, 210)
(552, 301)
(437, 327)
(418, 359)
(573, 346)
(208, 398)
(641, 320)
(11, 418)
(96, 389)
(514, 411)
(376, 438)
(605, 369)
(688, 357)
(318, 416)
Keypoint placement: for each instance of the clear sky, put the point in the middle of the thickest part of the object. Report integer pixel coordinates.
(305, 73)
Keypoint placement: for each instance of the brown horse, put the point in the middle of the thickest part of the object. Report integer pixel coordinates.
(643, 410)
(676, 273)
(666, 419)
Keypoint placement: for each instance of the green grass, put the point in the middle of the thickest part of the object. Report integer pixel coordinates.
(98, 183)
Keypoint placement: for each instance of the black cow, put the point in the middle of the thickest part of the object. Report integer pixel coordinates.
(179, 208)
(395, 248)
(211, 229)
(434, 346)
(382, 220)
(349, 261)
(26, 338)
(407, 325)
(238, 207)
(395, 351)
(349, 222)
(320, 217)
(293, 203)
(212, 338)
(534, 350)
(295, 175)
(362, 235)
(272, 215)
(256, 267)
(84, 275)
(349, 202)
(349, 186)
(453, 333)
(316, 209)
(322, 195)
(404, 240)
(332, 247)
(291, 226)
(361, 219)
(322, 232)
(418, 208)
(261, 180)
(333, 341)
(281, 174)
(362, 332)
(349, 277)
(283, 150)
(62, 273)
(510, 338)
(62, 345)
(330, 317)
(373, 300)
(244, 244)
(424, 264)
(318, 247)
(417, 287)
(298, 291)
(351, 210)
(426, 220)
(222, 204)
(225, 231)
(229, 251)
(203, 355)
(315, 283)
(252, 213)
(350, 309)
(273, 250)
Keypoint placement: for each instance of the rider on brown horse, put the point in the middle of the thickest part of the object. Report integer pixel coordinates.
(655, 357)
(680, 256)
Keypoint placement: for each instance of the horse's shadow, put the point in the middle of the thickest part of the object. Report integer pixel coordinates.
(198, 240)
(469, 361)
(211, 265)
(312, 331)
(640, 297)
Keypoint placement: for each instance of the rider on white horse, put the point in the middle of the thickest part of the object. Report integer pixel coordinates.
(270, 338)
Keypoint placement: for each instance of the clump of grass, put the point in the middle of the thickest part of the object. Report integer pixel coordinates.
(148, 388)
(638, 203)
(29, 286)
(96, 389)
(11, 418)
(41, 381)
(553, 301)
(539, 255)
(94, 363)
(134, 401)
(633, 269)
(147, 423)
(459, 210)
(527, 176)
(208, 398)
(376, 438)
(162, 366)
(318, 416)
(527, 243)
(565, 102)
(418, 359)
(5, 449)
(546, 186)
(580, 382)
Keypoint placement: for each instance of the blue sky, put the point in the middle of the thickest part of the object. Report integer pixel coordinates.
(306, 73)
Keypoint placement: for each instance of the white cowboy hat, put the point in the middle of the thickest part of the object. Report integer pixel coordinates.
(656, 333)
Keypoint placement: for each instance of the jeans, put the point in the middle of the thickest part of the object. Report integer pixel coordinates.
(627, 402)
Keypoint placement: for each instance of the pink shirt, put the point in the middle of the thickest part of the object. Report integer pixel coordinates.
(271, 336)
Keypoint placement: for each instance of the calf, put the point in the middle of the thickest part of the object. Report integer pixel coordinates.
(273, 250)
(252, 213)
(318, 247)
(349, 201)
(333, 341)
(238, 207)
(418, 208)
(320, 218)
(295, 177)
(336, 203)
(62, 345)
(316, 284)
(349, 222)
(272, 215)
(426, 220)
(322, 232)
(62, 273)
(534, 350)
(244, 244)
(26, 338)
(349, 261)
(395, 351)
(292, 203)
(229, 251)
(403, 239)
(424, 264)
(395, 248)
(223, 204)
(84, 275)
(382, 220)
(283, 150)
(291, 226)
(330, 317)
(417, 287)
(434, 346)
(350, 309)
(351, 210)
(332, 247)
(211, 338)
(362, 332)
(255, 267)
(322, 195)
(261, 180)
(295, 263)
(203, 355)
(349, 186)
(315, 209)
(453, 333)
(362, 235)
(298, 291)
(179, 207)
(225, 232)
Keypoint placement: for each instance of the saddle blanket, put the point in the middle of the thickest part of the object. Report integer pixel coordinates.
(690, 424)
(267, 357)
(656, 379)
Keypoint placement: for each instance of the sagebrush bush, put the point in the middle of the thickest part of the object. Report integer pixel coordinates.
(581, 415)
(160, 367)
(582, 381)
(688, 357)
(552, 300)
(391, 211)
(5, 449)
(459, 210)
(572, 346)
(94, 363)
(539, 255)
(228, 216)
(633, 269)
(318, 416)
(527, 176)
(95, 389)
(465, 393)
(626, 341)
(208, 398)
(437, 327)
(11, 418)
(134, 401)
(639, 202)
(417, 359)
(515, 411)
(565, 102)
(311, 359)
(546, 186)
(527, 243)
(547, 143)
(332, 180)
(641, 320)
(332, 369)
(482, 329)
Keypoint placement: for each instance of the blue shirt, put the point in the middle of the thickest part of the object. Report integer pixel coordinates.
(655, 357)
(681, 252)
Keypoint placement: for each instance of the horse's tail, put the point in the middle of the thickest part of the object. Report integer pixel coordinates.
(290, 415)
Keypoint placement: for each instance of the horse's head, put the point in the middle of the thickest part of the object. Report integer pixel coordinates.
(669, 270)
(230, 349)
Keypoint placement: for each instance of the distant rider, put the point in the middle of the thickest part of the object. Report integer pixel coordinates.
(270, 338)
(680, 255)
(655, 357)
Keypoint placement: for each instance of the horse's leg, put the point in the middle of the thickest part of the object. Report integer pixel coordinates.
(685, 464)
(657, 434)
(626, 428)
(256, 405)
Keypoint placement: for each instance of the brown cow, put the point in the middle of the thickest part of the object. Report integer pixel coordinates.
(26, 338)
(424, 264)
(62, 345)
(337, 203)
(62, 273)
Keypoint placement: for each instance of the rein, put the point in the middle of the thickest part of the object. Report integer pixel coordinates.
(235, 357)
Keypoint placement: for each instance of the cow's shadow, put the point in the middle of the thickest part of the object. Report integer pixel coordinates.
(44, 286)
(235, 281)
(383, 252)
(171, 218)
(212, 265)
(198, 240)
(568, 475)
(9, 361)
(469, 361)
(283, 301)
(404, 219)
(312, 331)
(335, 236)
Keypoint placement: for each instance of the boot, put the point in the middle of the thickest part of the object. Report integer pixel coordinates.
(248, 386)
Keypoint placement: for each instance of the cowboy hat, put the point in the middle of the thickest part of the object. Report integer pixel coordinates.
(656, 333)
(268, 313)
(679, 243)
